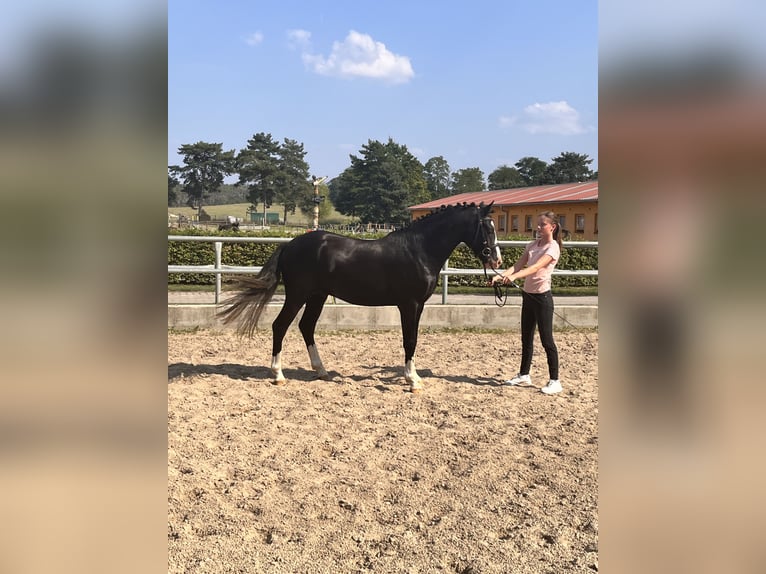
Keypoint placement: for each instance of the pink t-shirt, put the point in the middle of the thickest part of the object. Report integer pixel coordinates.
(540, 281)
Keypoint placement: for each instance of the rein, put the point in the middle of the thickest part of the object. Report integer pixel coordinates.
(500, 297)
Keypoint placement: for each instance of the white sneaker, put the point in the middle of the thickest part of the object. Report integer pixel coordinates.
(553, 387)
(519, 380)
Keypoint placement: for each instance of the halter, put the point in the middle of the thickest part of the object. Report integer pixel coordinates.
(485, 223)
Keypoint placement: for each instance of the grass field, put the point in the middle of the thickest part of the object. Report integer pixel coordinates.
(240, 210)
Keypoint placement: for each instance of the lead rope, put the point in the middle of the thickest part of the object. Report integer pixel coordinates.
(500, 297)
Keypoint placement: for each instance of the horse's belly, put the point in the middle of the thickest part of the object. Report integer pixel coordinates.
(378, 297)
(370, 299)
(375, 288)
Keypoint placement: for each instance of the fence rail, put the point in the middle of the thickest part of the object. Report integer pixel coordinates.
(219, 269)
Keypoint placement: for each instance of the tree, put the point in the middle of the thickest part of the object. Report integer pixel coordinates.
(259, 165)
(437, 174)
(205, 167)
(505, 177)
(381, 184)
(569, 167)
(293, 188)
(531, 170)
(173, 184)
(467, 180)
(344, 193)
(414, 180)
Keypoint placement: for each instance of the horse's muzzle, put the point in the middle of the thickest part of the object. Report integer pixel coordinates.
(493, 263)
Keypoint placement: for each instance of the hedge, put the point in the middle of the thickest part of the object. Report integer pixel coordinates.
(256, 254)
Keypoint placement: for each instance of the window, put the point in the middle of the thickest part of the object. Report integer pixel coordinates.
(501, 223)
(595, 223)
(528, 219)
(579, 223)
(514, 222)
(562, 222)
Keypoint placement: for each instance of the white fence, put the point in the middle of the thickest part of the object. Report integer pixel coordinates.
(218, 269)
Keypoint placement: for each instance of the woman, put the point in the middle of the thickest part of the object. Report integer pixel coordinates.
(536, 267)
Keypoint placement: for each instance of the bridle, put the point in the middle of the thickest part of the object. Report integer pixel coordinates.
(485, 224)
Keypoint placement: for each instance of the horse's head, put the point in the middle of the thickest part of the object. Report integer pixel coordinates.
(484, 242)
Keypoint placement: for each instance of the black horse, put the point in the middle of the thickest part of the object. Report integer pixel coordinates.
(229, 225)
(400, 269)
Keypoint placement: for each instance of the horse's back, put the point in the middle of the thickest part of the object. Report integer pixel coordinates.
(359, 271)
(326, 248)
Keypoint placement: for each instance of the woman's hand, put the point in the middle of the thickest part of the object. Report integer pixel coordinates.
(502, 279)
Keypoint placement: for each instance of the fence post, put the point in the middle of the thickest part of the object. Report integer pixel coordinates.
(218, 246)
(445, 282)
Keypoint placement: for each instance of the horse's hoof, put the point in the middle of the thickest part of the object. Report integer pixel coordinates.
(325, 377)
(416, 390)
(278, 382)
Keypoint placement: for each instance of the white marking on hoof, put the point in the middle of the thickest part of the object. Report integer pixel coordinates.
(412, 377)
(316, 363)
(276, 368)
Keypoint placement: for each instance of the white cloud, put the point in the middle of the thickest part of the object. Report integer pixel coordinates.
(361, 56)
(552, 118)
(507, 121)
(254, 39)
(298, 39)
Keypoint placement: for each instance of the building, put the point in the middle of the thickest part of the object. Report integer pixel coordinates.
(515, 210)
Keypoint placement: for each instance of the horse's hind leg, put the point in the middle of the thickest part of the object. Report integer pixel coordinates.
(278, 329)
(307, 325)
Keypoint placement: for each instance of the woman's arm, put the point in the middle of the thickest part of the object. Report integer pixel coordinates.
(519, 272)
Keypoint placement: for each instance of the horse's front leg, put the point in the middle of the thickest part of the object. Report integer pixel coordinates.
(410, 315)
(412, 377)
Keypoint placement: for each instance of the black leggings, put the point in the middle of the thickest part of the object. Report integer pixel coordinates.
(537, 310)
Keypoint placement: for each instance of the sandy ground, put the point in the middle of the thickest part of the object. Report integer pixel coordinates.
(359, 475)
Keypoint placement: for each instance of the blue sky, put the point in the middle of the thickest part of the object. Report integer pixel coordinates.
(481, 83)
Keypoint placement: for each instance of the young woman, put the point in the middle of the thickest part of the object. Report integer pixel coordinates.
(536, 266)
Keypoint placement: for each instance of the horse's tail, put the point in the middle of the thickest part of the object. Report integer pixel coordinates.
(254, 293)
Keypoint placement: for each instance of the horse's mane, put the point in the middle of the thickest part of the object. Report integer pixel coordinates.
(442, 209)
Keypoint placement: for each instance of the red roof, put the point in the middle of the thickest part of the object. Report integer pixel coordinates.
(560, 193)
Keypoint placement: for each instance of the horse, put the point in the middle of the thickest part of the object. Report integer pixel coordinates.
(233, 226)
(401, 269)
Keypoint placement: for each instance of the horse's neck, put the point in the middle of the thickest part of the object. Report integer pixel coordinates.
(441, 238)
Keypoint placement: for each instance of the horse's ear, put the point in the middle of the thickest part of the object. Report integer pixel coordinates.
(485, 209)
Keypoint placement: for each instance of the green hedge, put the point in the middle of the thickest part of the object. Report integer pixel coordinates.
(203, 253)
(256, 254)
(571, 259)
